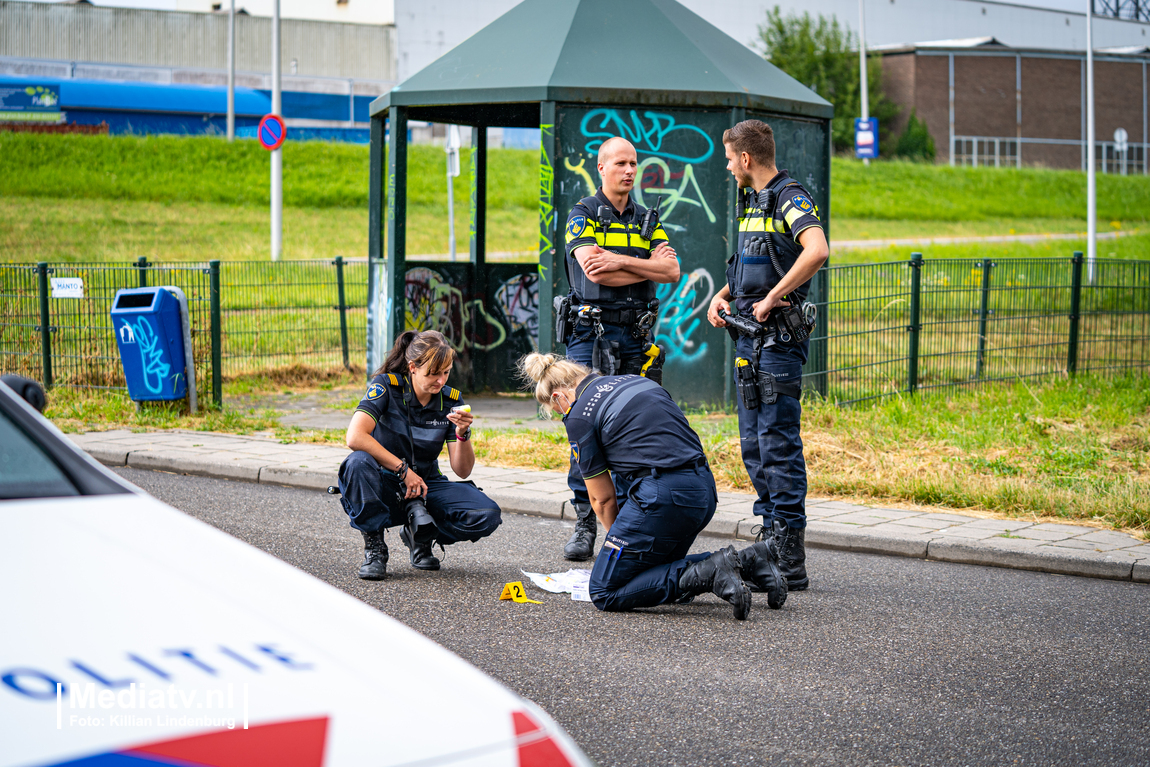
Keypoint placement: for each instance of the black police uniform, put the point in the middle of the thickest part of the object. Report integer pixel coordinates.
(630, 426)
(771, 445)
(622, 307)
(372, 496)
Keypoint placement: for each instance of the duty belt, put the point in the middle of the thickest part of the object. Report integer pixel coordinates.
(698, 463)
(622, 317)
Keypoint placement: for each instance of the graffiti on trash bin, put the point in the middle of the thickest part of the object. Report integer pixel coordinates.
(147, 340)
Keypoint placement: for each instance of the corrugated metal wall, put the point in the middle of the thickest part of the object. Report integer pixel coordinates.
(194, 40)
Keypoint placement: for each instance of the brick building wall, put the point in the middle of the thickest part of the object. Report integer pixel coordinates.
(1008, 94)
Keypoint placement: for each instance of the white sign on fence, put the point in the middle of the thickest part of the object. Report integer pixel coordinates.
(67, 287)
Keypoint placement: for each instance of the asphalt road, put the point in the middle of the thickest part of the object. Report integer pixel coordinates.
(884, 661)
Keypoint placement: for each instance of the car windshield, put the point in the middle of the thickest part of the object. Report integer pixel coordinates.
(26, 471)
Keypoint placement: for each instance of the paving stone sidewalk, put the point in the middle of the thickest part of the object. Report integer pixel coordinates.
(950, 537)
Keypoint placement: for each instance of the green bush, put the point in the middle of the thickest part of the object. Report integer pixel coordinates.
(915, 143)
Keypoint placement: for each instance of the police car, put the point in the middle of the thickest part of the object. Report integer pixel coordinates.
(134, 635)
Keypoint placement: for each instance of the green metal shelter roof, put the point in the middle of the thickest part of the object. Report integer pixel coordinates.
(638, 52)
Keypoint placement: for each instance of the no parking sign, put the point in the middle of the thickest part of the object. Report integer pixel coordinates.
(272, 132)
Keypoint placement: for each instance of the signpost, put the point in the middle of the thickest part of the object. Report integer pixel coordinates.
(866, 138)
(271, 132)
(1121, 145)
(451, 147)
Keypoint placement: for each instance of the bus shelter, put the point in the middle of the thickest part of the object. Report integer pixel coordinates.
(582, 71)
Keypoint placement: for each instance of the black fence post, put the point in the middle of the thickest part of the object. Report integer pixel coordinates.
(342, 311)
(45, 326)
(142, 265)
(983, 311)
(1075, 311)
(217, 346)
(915, 321)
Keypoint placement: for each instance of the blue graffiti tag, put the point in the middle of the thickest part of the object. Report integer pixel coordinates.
(679, 308)
(602, 124)
(151, 354)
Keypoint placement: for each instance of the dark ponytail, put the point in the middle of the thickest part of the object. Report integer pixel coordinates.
(420, 348)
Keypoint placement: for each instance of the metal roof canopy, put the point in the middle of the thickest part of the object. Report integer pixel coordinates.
(645, 52)
(515, 71)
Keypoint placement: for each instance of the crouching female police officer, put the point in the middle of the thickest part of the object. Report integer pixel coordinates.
(629, 426)
(392, 476)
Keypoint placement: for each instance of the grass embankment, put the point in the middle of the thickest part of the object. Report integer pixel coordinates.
(76, 198)
(1066, 450)
(81, 198)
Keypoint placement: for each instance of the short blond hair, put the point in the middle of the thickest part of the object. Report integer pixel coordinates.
(550, 372)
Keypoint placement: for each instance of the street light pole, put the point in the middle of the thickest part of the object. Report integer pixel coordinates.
(232, 72)
(1091, 188)
(277, 155)
(862, 67)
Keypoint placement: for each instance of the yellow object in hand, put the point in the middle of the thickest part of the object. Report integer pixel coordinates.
(461, 409)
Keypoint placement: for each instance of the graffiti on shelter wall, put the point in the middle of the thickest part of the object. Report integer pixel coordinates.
(519, 299)
(682, 310)
(434, 303)
(668, 152)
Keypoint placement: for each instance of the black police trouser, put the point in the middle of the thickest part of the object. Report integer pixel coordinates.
(579, 348)
(372, 499)
(657, 523)
(771, 444)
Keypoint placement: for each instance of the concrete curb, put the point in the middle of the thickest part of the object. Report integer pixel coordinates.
(940, 536)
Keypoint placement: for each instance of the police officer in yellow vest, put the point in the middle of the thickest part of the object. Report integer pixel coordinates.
(616, 252)
(781, 246)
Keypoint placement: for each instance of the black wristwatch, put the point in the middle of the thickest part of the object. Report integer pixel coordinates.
(465, 436)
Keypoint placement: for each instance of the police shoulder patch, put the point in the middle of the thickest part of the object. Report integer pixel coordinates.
(451, 393)
(576, 226)
(803, 203)
(575, 452)
(375, 391)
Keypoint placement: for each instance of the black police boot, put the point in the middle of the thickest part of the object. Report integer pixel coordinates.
(759, 566)
(582, 543)
(418, 535)
(792, 555)
(719, 574)
(374, 567)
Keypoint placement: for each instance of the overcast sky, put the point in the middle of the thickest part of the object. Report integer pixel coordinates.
(170, 5)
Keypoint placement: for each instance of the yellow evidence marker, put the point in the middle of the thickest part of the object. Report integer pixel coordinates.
(461, 409)
(514, 591)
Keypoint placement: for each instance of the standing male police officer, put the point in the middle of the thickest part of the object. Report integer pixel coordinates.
(781, 246)
(616, 252)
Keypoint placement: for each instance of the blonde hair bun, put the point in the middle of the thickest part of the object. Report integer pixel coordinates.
(535, 365)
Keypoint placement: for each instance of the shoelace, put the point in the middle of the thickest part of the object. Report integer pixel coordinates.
(760, 533)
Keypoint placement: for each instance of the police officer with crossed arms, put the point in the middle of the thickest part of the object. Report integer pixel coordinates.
(781, 246)
(616, 253)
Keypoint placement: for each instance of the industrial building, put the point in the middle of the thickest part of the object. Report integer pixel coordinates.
(151, 71)
(986, 103)
(1010, 90)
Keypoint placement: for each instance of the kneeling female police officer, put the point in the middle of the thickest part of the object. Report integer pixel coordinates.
(392, 476)
(651, 488)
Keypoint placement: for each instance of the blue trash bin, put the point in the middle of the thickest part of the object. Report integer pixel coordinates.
(150, 335)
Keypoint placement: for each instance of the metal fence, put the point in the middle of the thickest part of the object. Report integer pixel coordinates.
(246, 318)
(930, 324)
(883, 329)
